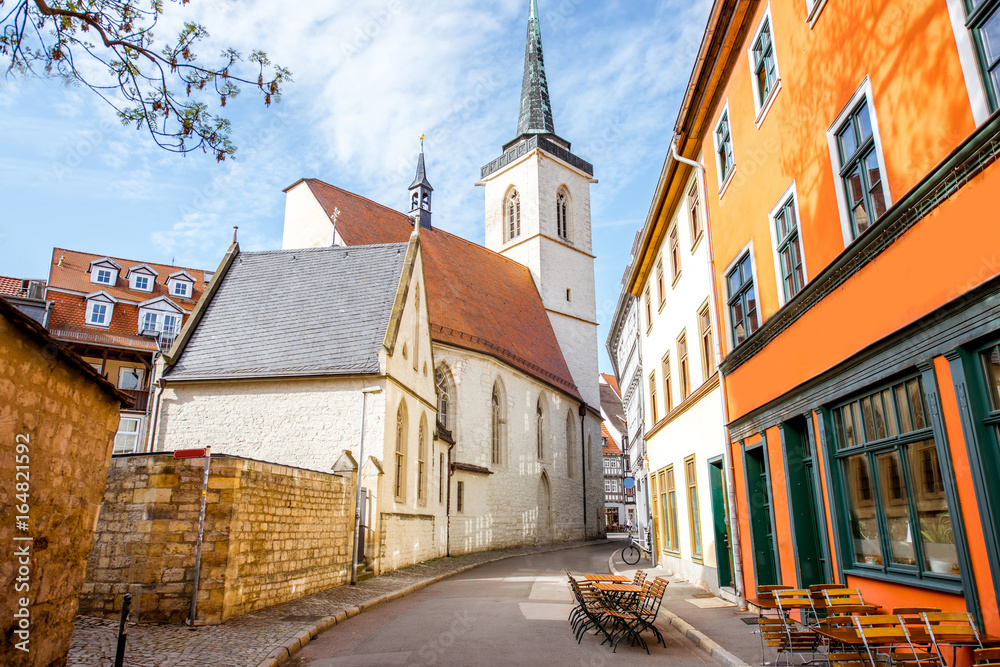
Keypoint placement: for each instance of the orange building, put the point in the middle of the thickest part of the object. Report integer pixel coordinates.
(849, 152)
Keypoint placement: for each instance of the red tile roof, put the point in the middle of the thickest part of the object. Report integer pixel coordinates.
(613, 381)
(10, 286)
(611, 447)
(69, 272)
(461, 278)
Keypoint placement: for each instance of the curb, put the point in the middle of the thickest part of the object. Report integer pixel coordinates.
(699, 638)
(284, 652)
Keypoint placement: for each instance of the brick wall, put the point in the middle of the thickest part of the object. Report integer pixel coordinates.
(272, 534)
(65, 419)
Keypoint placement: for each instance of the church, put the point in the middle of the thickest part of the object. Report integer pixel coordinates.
(472, 371)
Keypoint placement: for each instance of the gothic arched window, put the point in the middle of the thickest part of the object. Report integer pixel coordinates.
(571, 463)
(562, 214)
(513, 215)
(399, 488)
(496, 427)
(540, 430)
(444, 398)
(413, 202)
(422, 462)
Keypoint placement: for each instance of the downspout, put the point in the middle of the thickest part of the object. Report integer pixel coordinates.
(734, 526)
(447, 534)
(583, 462)
(642, 449)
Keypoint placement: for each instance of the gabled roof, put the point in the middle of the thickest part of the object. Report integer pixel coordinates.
(104, 260)
(181, 275)
(611, 404)
(611, 447)
(288, 313)
(142, 268)
(101, 294)
(163, 300)
(477, 299)
(69, 268)
(613, 382)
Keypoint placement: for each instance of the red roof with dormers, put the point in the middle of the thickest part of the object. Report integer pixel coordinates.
(69, 283)
(611, 447)
(477, 299)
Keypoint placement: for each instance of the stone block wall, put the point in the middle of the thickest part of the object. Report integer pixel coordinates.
(272, 534)
(57, 424)
(407, 539)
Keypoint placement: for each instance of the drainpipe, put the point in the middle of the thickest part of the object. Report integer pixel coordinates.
(583, 461)
(447, 533)
(734, 527)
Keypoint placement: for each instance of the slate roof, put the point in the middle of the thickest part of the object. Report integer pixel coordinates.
(611, 405)
(286, 313)
(477, 299)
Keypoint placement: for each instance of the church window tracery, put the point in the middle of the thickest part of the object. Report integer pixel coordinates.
(562, 214)
(399, 488)
(540, 430)
(496, 427)
(571, 463)
(421, 462)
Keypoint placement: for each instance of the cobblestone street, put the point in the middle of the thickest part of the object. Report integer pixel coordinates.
(257, 638)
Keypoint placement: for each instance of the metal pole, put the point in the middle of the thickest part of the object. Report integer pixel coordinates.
(201, 535)
(357, 497)
(123, 631)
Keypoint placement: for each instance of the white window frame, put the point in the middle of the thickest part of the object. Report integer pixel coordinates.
(142, 276)
(137, 434)
(813, 9)
(864, 91)
(188, 288)
(139, 372)
(723, 184)
(762, 107)
(790, 193)
(100, 300)
(97, 276)
(726, 317)
(969, 61)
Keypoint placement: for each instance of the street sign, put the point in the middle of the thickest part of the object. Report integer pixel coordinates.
(189, 453)
(629, 482)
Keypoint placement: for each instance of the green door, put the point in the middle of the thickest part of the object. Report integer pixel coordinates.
(801, 476)
(761, 532)
(720, 520)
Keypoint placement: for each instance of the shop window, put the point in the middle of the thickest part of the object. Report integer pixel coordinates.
(898, 518)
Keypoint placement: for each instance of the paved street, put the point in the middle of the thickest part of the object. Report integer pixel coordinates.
(512, 612)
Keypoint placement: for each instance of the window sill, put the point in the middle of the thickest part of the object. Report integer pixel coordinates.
(97, 326)
(697, 241)
(762, 112)
(660, 308)
(676, 279)
(943, 585)
(727, 182)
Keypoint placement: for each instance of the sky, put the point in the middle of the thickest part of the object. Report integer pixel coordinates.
(369, 77)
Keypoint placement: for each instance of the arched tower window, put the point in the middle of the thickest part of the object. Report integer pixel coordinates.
(414, 201)
(512, 215)
(399, 487)
(496, 426)
(562, 214)
(540, 430)
(422, 462)
(571, 463)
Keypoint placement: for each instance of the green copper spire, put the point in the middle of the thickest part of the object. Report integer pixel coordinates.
(536, 110)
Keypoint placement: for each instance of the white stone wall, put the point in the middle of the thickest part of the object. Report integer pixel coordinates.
(503, 509)
(306, 225)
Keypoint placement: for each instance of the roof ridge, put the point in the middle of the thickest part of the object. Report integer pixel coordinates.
(124, 260)
(292, 251)
(356, 195)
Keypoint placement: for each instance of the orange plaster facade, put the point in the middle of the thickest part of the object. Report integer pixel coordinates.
(907, 307)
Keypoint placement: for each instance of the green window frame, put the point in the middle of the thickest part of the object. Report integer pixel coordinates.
(896, 516)
(742, 299)
(764, 68)
(786, 227)
(983, 23)
(724, 146)
(860, 169)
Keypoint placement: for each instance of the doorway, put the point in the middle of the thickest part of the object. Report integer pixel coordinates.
(758, 481)
(720, 522)
(800, 473)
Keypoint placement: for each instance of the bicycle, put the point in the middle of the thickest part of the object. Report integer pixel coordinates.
(636, 549)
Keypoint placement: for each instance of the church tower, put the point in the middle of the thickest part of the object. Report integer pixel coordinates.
(538, 214)
(420, 193)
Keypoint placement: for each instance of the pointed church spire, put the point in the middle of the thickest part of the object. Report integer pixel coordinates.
(536, 110)
(420, 193)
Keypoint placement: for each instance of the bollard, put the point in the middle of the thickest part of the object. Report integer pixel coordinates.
(123, 631)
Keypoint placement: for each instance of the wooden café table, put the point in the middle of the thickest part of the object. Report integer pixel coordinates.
(615, 578)
(617, 591)
(917, 636)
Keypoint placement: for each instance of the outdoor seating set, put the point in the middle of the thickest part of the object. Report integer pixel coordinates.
(836, 627)
(616, 607)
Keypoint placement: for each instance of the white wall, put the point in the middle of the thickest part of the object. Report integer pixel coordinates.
(306, 225)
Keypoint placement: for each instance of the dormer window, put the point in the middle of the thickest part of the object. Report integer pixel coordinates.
(141, 278)
(141, 283)
(163, 316)
(104, 271)
(100, 309)
(181, 284)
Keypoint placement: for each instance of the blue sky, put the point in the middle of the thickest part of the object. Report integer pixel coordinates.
(369, 77)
